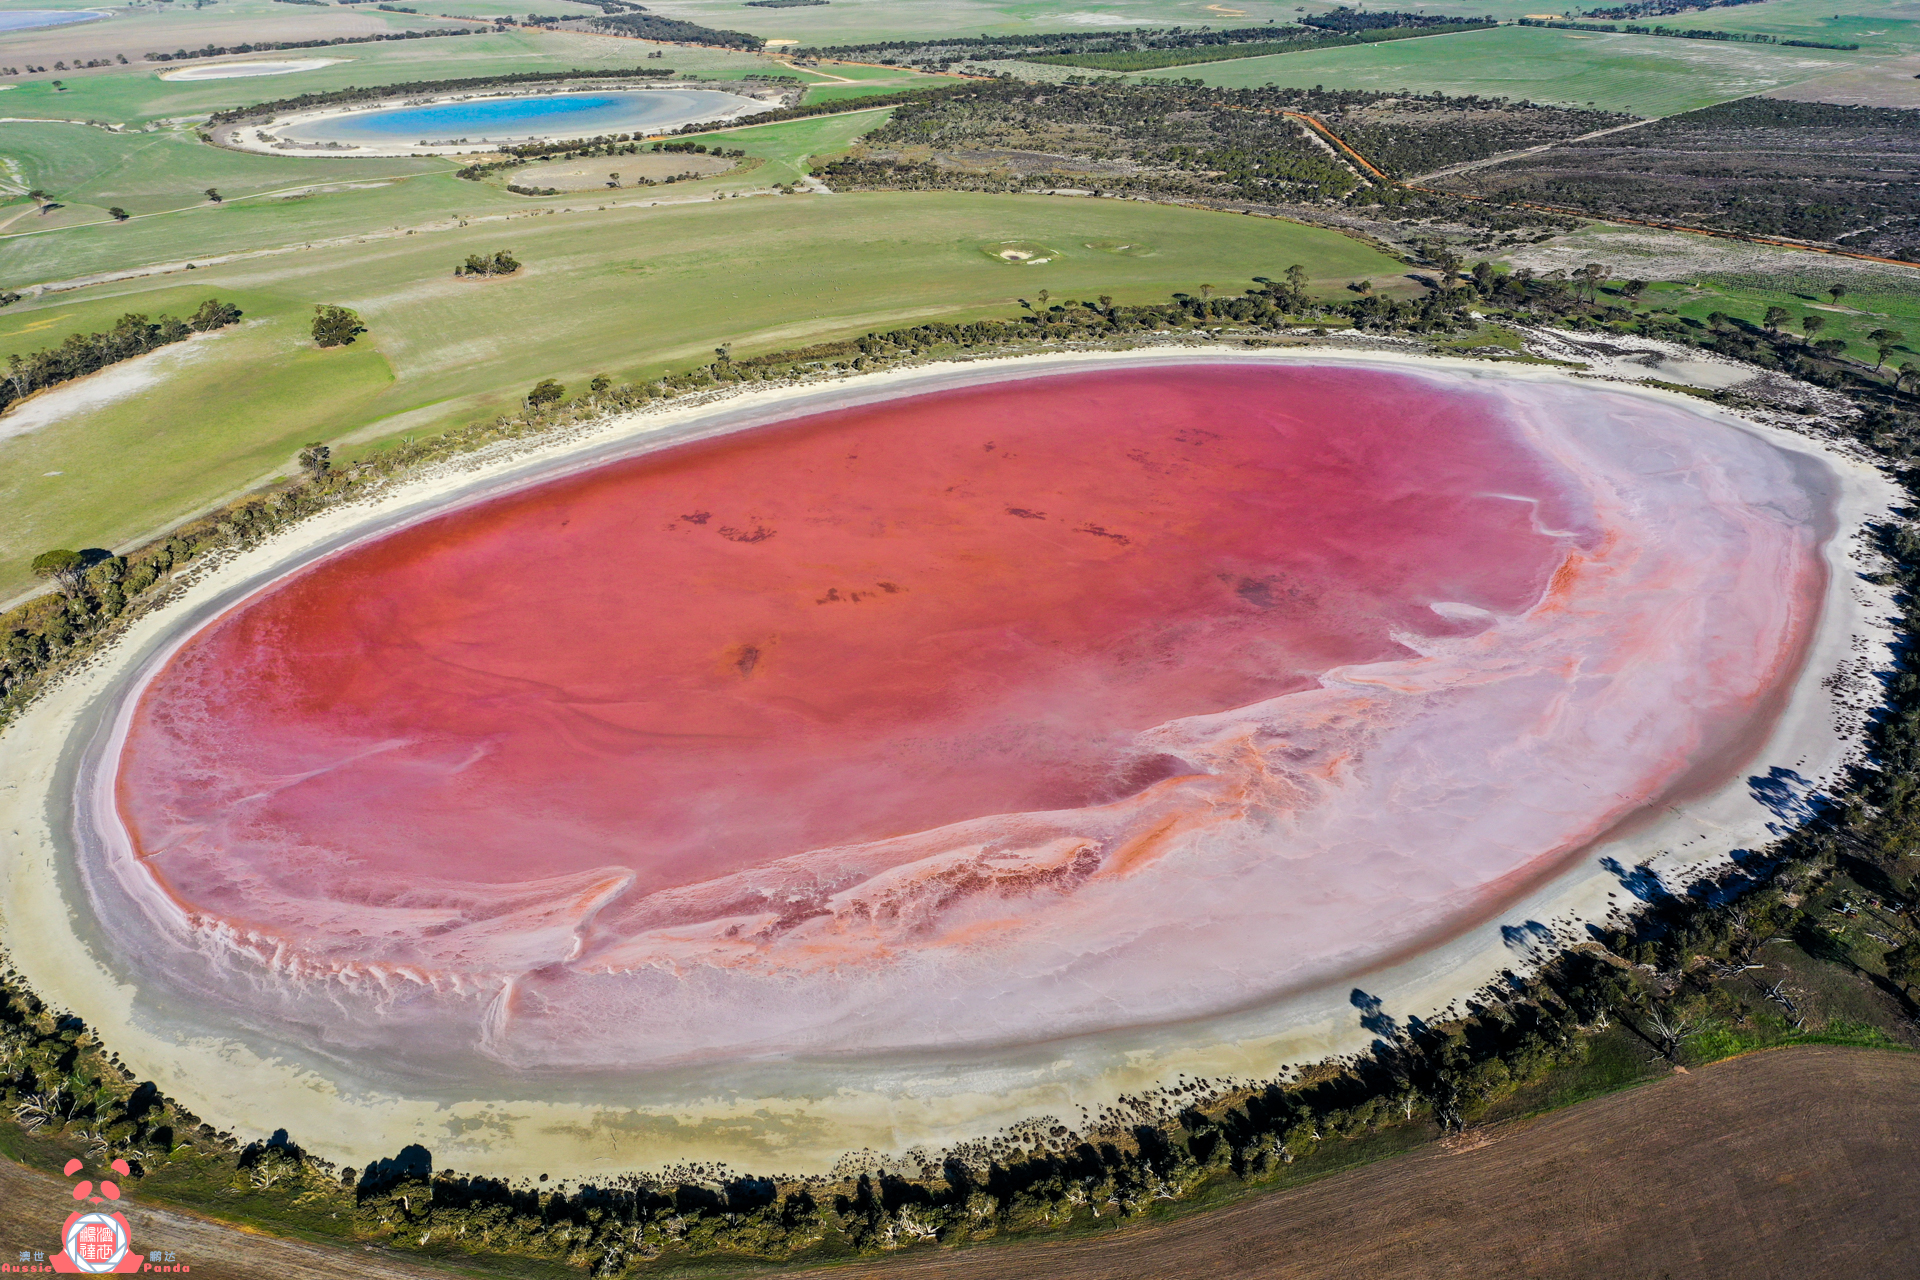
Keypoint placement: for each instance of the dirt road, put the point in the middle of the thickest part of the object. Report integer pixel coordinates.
(1797, 1163)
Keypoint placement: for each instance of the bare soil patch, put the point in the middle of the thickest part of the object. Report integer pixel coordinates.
(595, 174)
(1879, 84)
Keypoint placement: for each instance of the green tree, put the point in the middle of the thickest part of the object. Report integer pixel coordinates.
(504, 263)
(118, 214)
(1811, 325)
(1297, 278)
(1908, 372)
(316, 460)
(213, 195)
(1885, 343)
(336, 326)
(213, 314)
(1590, 278)
(1716, 320)
(66, 569)
(1633, 289)
(1903, 963)
(1775, 317)
(599, 384)
(545, 392)
(1836, 292)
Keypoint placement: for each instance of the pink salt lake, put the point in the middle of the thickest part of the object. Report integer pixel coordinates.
(981, 716)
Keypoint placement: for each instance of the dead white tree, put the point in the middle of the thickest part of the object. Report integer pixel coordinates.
(1778, 994)
(1672, 1029)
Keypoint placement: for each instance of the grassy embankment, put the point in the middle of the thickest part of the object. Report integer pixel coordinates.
(627, 291)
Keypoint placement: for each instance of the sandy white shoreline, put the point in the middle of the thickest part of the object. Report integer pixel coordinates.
(241, 69)
(301, 133)
(789, 1117)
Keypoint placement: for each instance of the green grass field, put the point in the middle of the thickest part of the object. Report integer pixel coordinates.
(1644, 75)
(628, 292)
(1892, 27)
(160, 177)
(1872, 304)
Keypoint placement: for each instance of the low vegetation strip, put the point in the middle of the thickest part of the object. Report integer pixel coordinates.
(1155, 59)
(1678, 33)
(269, 46)
(946, 52)
(82, 354)
(352, 93)
(1674, 984)
(1662, 8)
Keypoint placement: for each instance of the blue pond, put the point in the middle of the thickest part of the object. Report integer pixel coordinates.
(23, 19)
(564, 115)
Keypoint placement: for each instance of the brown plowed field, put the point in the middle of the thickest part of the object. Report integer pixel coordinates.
(1792, 1164)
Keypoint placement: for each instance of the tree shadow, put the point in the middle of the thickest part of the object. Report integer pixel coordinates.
(1643, 882)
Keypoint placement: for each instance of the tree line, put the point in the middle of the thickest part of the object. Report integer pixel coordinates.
(1305, 41)
(1661, 8)
(946, 50)
(1688, 33)
(265, 46)
(80, 354)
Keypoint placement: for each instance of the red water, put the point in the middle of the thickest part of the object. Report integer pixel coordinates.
(852, 626)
